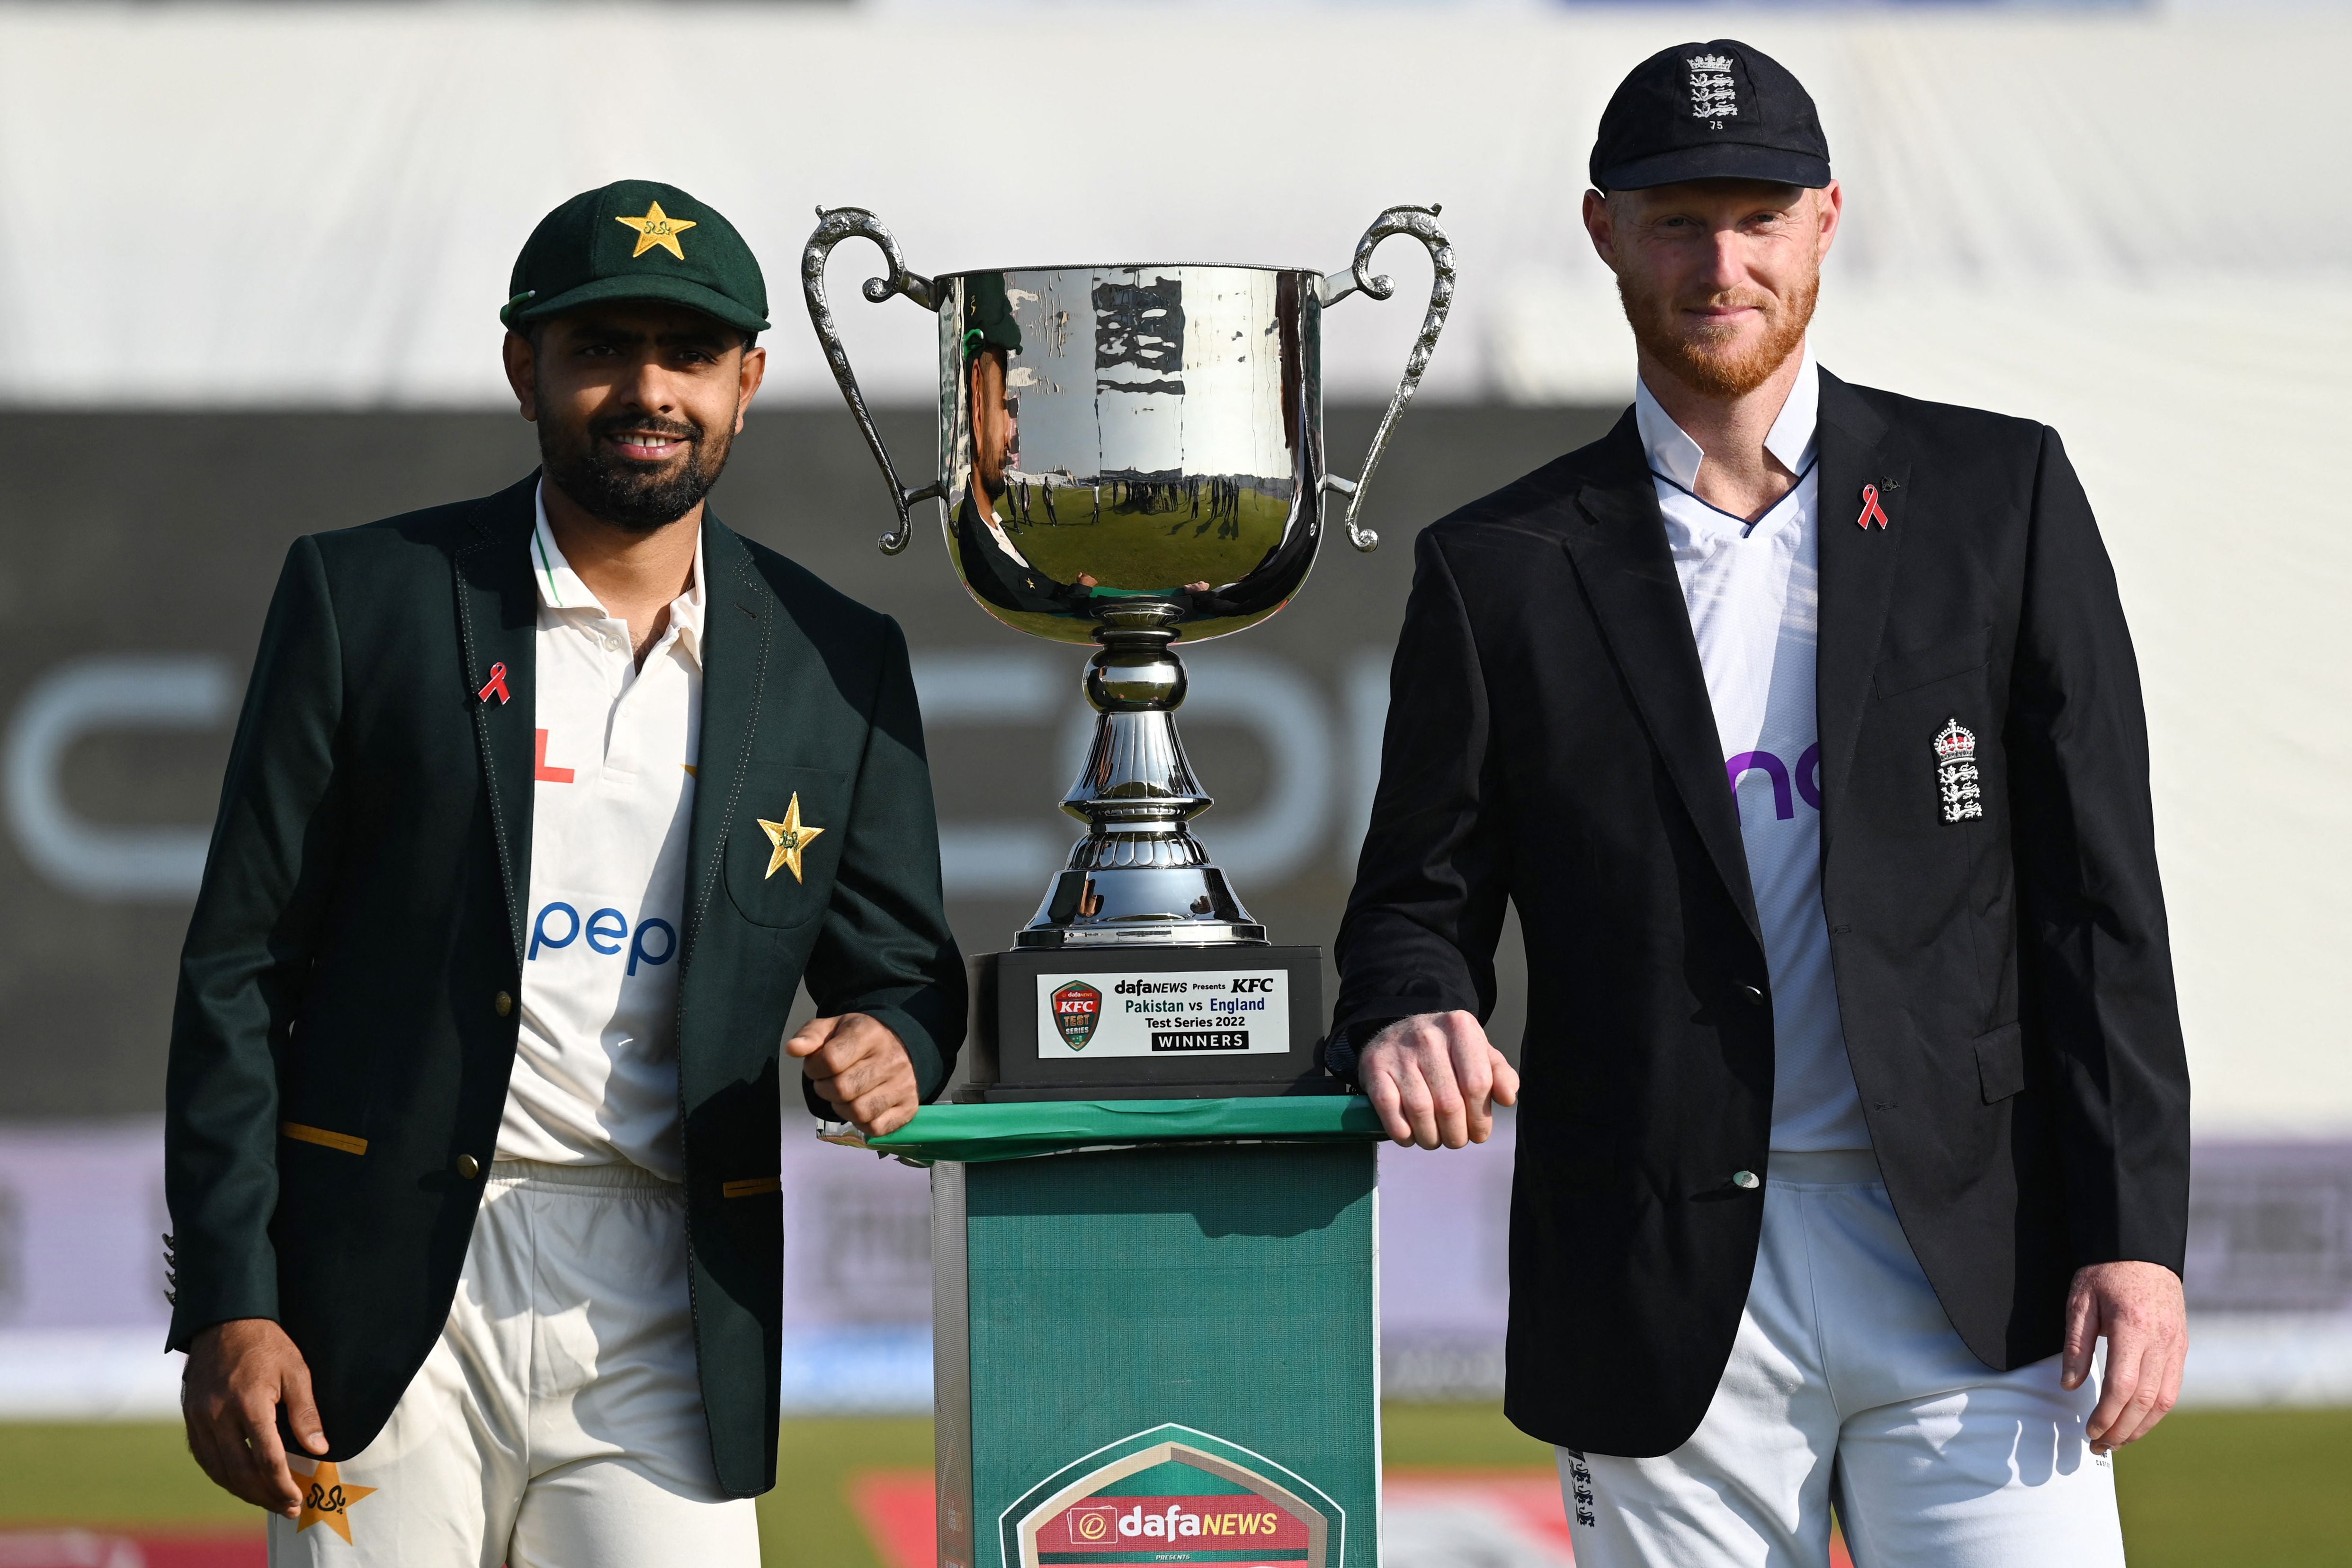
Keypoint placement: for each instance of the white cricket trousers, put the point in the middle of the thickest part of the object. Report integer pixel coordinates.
(558, 1423)
(1847, 1386)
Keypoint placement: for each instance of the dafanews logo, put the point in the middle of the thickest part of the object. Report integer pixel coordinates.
(1077, 1008)
(1174, 1495)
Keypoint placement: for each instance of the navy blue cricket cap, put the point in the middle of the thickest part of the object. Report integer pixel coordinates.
(1717, 111)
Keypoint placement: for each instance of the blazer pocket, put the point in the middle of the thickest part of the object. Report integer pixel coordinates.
(784, 842)
(1916, 667)
(2001, 1062)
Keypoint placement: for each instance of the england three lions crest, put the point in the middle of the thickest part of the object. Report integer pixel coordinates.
(1712, 97)
(1960, 790)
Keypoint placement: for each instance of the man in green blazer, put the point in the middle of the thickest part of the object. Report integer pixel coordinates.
(541, 808)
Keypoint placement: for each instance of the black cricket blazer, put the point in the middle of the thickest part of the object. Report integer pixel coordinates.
(2005, 981)
(359, 938)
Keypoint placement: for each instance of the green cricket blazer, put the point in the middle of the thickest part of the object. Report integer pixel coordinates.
(345, 1021)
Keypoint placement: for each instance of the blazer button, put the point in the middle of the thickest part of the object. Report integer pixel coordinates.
(503, 1003)
(469, 1167)
(1745, 1181)
(1753, 996)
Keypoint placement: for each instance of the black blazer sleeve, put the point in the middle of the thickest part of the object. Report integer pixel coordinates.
(248, 950)
(2094, 955)
(1427, 909)
(884, 948)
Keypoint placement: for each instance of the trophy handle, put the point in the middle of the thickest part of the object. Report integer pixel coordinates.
(1422, 224)
(833, 227)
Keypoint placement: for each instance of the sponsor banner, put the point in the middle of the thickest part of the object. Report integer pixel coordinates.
(1173, 1494)
(82, 1309)
(1430, 1519)
(1206, 1527)
(1208, 1012)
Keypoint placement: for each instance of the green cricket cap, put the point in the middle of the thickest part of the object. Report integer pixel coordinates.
(637, 239)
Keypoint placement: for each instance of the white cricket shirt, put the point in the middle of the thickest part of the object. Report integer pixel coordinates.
(1754, 595)
(596, 1071)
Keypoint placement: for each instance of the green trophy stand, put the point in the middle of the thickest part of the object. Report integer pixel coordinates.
(1156, 1331)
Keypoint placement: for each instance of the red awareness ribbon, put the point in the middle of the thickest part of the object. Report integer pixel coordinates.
(497, 683)
(1871, 511)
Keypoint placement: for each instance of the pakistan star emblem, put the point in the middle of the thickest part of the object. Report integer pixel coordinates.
(790, 837)
(656, 228)
(327, 1499)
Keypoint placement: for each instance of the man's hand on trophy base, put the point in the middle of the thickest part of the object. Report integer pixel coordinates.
(238, 1374)
(1435, 1078)
(861, 1068)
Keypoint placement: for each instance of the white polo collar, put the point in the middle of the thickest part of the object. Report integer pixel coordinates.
(1673, 454)
(560, 587)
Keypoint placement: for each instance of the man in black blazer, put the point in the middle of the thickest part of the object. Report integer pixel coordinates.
(540, 809)
(1801, 724)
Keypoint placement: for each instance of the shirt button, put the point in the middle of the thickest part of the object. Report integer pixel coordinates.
(1745, 1181)
(468, 1168)
(1754, 996)
(503, 1003)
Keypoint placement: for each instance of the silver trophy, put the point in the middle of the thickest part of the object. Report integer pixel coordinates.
(1132, 456)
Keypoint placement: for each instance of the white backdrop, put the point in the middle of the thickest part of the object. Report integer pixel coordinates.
(2129, 226)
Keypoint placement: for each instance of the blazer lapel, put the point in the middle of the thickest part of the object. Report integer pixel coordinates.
(1857, 558)
(497, 623)
(1619, 548)
(737, 637)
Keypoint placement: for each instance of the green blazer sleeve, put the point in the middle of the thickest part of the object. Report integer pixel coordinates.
(248, 953)
(884, 948)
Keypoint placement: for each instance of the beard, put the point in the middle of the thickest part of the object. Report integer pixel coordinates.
(1712, 361)
(636, 497)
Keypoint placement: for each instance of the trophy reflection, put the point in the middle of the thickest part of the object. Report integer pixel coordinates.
(1132, 456)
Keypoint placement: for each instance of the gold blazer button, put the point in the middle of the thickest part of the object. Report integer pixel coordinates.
(469, 1167)
(503, 1003)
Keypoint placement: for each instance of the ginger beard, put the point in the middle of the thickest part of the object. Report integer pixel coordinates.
(1719, 362)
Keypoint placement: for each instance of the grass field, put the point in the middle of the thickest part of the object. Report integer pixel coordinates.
(1146, 551)
(2210, 1490)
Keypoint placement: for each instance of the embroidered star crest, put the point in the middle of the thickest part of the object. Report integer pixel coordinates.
(656, 228)
(790, 837)
(328, 1499)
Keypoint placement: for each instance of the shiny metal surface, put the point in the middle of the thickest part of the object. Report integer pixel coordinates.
(1132, 455)
(1115, 433)
(1422, 224)
(831, 228)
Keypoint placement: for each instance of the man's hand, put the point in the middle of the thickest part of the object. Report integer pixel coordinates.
(1434, 1079)
(238, 1374)
(861, 1068)
(2139, 1310)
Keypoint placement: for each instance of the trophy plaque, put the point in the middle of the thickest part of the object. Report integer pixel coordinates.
(1131, 456)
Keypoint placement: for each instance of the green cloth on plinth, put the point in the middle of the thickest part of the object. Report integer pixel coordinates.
(975, 1133)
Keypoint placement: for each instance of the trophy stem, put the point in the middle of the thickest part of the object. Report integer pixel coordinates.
(1138, 876)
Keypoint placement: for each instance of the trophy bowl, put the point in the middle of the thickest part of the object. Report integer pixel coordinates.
(1131, 456)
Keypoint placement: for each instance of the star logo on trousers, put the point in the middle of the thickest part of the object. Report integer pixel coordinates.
(328, 1499)
(790, 837)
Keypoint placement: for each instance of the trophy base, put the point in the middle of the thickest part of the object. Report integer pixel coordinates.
(1181, 1023)
(1138, 906)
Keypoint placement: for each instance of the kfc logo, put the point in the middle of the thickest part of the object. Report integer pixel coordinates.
(1077, 1008)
